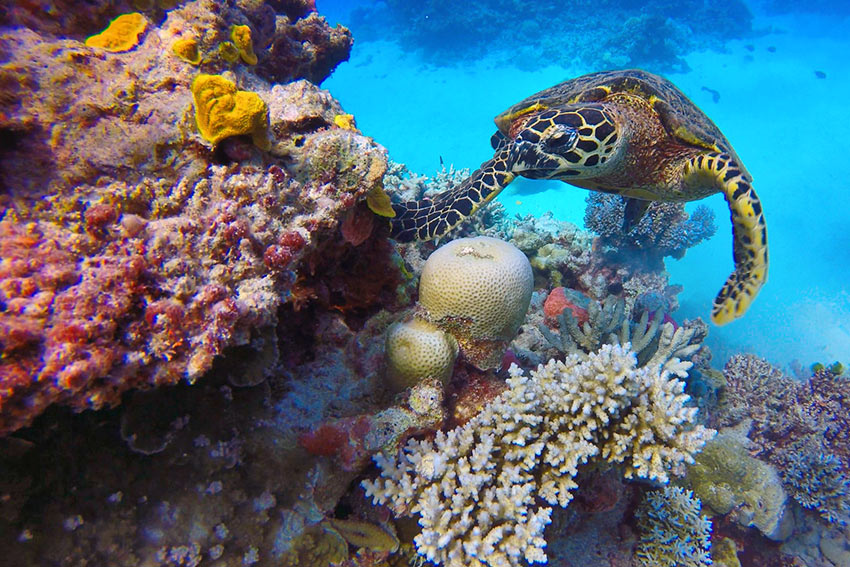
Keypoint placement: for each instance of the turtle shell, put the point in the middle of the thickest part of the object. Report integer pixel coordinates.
(683, 120)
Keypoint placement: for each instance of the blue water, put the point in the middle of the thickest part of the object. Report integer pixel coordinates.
(789, 126)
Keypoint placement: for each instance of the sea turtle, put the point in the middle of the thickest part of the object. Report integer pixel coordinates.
(627, 132)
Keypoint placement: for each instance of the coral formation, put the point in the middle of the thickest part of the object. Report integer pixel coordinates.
(475, 488)
(477, 289)
(729, 481)
(676, 533)
(604, 35)
(122, 34)
(799, 427)
(187, 50)
(664, 230)
(133, 255)
(418, 350)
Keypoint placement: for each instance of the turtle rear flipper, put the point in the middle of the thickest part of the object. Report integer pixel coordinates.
(749, 236)
(429, 218)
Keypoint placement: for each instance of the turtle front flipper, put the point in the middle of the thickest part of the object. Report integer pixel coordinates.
(429, 218)
(749, 235)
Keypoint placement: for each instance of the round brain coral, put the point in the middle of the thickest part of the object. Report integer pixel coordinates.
(417, 350)
(479, 290)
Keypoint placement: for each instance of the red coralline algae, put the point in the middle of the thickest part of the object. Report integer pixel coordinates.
(134, 253)
(344, 439)
(555, 304)
(357, 225)
(63, 319)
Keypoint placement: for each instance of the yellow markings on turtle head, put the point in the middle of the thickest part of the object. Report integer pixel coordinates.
(510, 116)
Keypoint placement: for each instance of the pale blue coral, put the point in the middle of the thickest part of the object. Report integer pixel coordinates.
(675, 533)
(818, 482)
(665, 227)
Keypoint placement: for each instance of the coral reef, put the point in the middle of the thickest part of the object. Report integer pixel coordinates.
(730, 481)
(599, 34)
(477, 289)
(676, 534)
(133, 253)
(475, 488)
(664, 230)
(212, 472)
(799, 427)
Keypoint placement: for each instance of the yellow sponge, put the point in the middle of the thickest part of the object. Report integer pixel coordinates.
(222, 111)
(241, 38)
(122, 34)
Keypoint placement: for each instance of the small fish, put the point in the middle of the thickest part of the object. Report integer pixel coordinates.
(715, 96)
(750, 47)
(820, 74)
(772, 49)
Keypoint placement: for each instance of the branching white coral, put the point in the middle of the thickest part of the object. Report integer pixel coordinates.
(676, 534)
(481, 490)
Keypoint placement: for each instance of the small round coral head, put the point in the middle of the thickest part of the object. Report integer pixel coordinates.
(187, 50)
(417, 350)
(121, 35)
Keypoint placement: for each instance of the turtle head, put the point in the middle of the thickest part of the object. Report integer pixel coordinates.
(577, 142)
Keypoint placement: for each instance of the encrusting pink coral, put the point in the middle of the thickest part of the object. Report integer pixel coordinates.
(132, 253)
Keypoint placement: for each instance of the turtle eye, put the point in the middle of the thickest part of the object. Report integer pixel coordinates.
(563, 139)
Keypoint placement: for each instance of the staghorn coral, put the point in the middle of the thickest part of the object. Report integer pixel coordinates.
(653, 339)
(675, 532)
(817, 480)
(602, 319)
(476, 488)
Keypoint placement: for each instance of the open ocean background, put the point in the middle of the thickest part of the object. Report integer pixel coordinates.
(782, 103)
